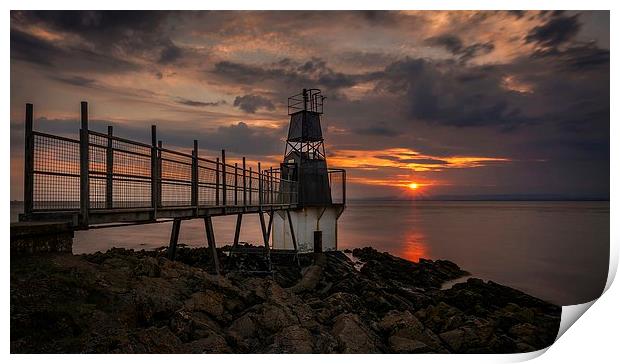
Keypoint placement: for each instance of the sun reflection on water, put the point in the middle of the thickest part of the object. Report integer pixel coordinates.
(415, 246)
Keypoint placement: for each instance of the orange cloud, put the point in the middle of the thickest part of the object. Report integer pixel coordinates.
(408, 159)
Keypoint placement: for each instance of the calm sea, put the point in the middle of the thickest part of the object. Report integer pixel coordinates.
(557, 251)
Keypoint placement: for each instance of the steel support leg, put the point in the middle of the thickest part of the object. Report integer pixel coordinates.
(211, 241)
(290, 225)
(174, 238)
(265, 238)
(237, 232)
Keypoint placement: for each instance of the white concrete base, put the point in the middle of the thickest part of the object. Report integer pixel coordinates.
(305, 222)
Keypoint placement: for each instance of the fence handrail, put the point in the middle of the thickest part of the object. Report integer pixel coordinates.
(102, 171)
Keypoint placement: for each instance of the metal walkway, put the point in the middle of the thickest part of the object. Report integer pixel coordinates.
(103, 180)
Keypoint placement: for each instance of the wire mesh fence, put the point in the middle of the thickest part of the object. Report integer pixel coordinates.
(56, 172)
(124, 174)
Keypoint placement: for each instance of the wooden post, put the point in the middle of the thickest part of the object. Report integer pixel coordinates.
(244, 191)
(154, 175)
(236, 187)
(29, 161)
(260, 187)
(195, 177)
(174, 239)
(84, 160)
(224, 181)
(109, 164)
(217, 182)
(211, 241)
(159, 172)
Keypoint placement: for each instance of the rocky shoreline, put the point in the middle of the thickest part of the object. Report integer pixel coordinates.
(125, 301)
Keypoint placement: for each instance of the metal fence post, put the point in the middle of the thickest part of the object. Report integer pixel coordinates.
(271, 186)
(159, 172)
(260, 187)
(29, 161)
(244, 191)
(217, 181)
(236, 187)
(224, 181)
(250, 188)
(84, 160)
(344, 187)
(195, 175)
(154, 164)
(109, 166)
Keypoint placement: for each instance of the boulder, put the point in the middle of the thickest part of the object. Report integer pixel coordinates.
(244, 326)
(293, 339)
(274, 318)
(209, 301)
(147, 267)
(404, 325)
(353, 336)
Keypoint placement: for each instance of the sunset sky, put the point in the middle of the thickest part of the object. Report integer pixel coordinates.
(453, 103)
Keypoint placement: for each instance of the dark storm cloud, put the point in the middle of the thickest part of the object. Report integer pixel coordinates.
(313, 72)
(380, 130)
(28, 48)
(577, 58)
(115, 34)
(251, 103)
(435, 93)
(97, 22)
(122, 28)
(76, 81)
(170, 54)
(557, 31)
(240, 138)
(454, 45)
(35, 50)
(188, 102)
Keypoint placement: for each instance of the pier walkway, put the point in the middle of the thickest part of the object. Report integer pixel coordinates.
(102, 180)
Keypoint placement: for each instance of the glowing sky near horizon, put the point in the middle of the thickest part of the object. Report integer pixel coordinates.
(459, 103)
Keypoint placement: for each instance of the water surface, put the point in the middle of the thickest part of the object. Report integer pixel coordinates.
(557, 251)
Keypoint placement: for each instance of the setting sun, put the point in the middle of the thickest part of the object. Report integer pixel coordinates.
(413, 185)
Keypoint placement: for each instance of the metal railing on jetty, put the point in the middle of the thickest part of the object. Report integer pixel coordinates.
(103, 178)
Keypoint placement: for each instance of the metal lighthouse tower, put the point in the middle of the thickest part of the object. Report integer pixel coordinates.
(321, 194)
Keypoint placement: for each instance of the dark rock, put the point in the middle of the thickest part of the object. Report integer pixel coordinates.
(293, 339)
(212, 344)
(125, 301)
(353, 336)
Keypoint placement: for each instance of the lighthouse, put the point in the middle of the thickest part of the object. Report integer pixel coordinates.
(321, 191)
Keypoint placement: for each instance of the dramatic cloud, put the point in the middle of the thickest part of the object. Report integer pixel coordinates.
(251, 103)
(467, 102)
(455, 46)
(187, 102)
(557, 31)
